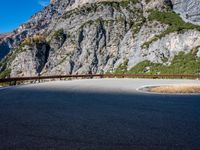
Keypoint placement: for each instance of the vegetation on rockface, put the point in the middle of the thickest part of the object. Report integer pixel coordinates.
(122, 68)
(124, 3)
(137, 25)
(5, 73)
(99, 21)
(173, 20)
(183, 63)
(5, 62)
(93, 7)
(134, 21)
(58, 33)
(59, 36)
(147, 1)
(35, 39)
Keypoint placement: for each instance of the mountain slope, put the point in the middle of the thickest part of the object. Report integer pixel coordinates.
(70, 37)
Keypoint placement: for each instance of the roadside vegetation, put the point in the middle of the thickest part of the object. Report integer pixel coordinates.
(122, 68)
(5, 73)
(183, 63)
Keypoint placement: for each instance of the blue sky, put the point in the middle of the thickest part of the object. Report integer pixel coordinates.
(15, 12)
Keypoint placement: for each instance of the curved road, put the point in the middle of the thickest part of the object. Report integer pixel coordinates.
(107, 114)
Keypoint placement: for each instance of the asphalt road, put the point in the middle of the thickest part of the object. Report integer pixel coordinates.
(105, 114)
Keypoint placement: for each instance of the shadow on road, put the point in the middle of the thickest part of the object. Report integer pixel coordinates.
(36, 118)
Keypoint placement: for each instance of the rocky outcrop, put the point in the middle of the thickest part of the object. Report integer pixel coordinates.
(5, 44)
(93, 40)
(37, 24)
(94, 37)
(4, 49)
(30, 60)
(188, 9)
(171, 45)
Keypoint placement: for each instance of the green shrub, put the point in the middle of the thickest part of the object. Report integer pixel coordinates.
(31, 40)
(122, 68)
(58, 33)
(5, 73)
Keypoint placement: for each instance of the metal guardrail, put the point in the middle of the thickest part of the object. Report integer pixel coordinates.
(4, 80)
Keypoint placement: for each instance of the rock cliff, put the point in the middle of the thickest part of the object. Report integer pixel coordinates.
(84, 36)
(188, 9)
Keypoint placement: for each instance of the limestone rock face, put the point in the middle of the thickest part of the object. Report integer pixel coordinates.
(95, 42)
(38, 23)
(5, 44)
(4, 47)
(188, 9)
(172, 44)
(85, 36)
(31, 60)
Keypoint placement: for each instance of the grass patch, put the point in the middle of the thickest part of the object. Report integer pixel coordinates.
(122, 68)
(183, 63)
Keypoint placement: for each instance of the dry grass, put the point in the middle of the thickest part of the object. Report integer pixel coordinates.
(176, 89)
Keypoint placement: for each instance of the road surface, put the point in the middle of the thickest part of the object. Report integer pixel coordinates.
(100, 114)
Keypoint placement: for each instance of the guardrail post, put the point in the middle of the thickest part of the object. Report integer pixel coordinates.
(91, 76)
(39, 77)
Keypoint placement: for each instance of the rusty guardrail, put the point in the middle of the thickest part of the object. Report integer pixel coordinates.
(4, 80)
